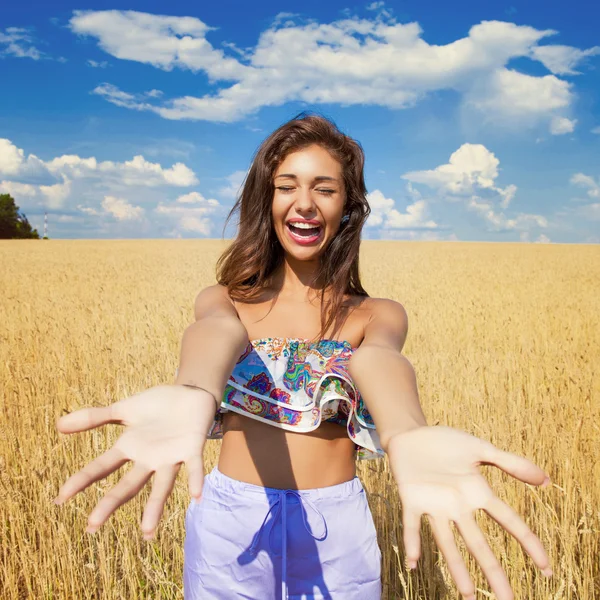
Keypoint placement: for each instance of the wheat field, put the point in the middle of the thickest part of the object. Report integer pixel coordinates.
(504, 339)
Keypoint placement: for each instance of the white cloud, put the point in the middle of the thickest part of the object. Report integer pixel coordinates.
(88, 210)
(562, 60)
(120, 98)
(285, 19)
(13, 162)
(350, 61)
(56, 194)
(413, 217)
(236, 179)
(512, 98)
(139, 171)
(162, 41)
(561, 125)
(98, 65)
(16, 189)
(136, 172)
(196, 198)
(380, 207)
(196, 225)
(589, 183)
(385, 216)
(18, 42)
(541, 239)
(121, 210)
(471, 165)
(596, 130)
(470, 178)
(204, 207)
(507, 194)
(102, 190)
(471, 169)
(499, 221)
(191, 212)
(11, 157)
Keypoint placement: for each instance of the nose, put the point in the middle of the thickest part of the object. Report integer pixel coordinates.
(304, 202)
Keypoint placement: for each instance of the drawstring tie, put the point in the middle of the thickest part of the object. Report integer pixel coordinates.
(280, 502)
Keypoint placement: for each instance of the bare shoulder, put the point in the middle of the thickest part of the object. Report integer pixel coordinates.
(385, 309)
(387, 323)
(214, 300)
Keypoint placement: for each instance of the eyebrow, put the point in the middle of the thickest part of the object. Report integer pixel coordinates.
(318, 178)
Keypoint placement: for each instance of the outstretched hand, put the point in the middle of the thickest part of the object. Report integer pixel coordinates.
(165, 426)
(436, 469)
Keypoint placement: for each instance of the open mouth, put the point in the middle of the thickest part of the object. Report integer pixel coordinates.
(304, 235)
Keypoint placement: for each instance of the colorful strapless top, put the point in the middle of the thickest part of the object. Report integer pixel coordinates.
(294, 384)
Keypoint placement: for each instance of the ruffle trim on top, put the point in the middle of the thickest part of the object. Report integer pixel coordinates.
(295, 385)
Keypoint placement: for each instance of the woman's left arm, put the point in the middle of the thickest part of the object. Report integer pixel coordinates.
(436, 468)
(384, 376)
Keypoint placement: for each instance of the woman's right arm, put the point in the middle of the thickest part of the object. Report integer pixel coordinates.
(212, 344)
(166, 425)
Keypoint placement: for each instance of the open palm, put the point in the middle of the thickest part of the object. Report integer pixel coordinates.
(436, 469)
(165, 426)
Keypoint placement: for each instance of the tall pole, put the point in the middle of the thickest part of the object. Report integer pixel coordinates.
(45, 224)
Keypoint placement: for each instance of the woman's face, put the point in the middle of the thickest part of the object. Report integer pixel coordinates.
(309, 189)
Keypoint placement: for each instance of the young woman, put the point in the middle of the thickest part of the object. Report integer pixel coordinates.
(300, 372)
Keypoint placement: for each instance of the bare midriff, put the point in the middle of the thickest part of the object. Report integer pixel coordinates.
(268, 456)
(265, 455)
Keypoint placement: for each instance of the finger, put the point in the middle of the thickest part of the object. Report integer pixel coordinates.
(99, 468)
(504, 515)
(129, 485)
(88, 418)
(444, 538)
(195, 470)
(411, 533)
(482, 553)
(162, 486)
(513, 464)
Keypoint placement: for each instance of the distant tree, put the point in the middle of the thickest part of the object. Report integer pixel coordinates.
(14, 225)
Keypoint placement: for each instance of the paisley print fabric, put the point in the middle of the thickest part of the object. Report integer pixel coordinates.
(296, 384)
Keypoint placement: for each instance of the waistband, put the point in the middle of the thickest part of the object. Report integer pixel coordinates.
(227, 484)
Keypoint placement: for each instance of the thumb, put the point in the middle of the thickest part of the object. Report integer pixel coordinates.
(195, 469)
(515, 465)
(88, 418)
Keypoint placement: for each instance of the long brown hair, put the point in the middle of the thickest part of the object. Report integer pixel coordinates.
(247, 264)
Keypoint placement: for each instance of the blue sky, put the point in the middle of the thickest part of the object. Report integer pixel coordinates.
(480, 121)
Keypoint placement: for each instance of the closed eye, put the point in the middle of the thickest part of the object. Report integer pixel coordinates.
(287, 189)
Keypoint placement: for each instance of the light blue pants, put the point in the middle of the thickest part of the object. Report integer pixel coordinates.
(248, 541)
